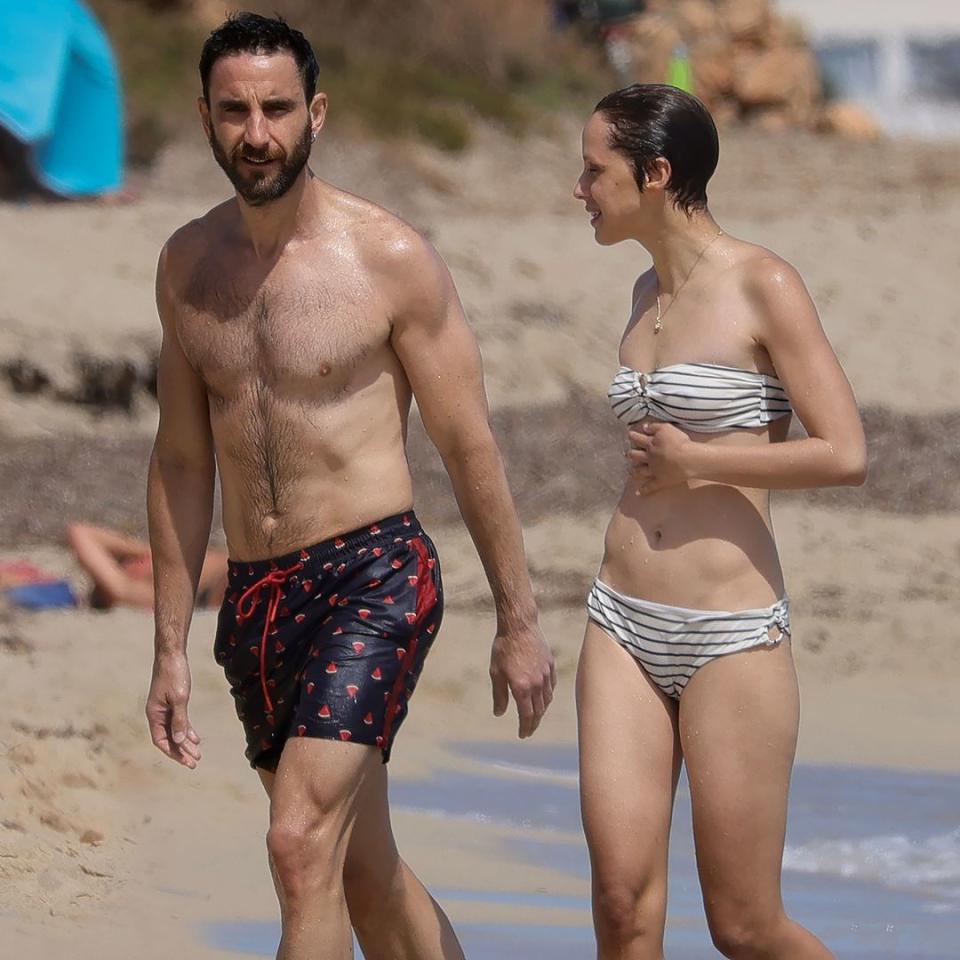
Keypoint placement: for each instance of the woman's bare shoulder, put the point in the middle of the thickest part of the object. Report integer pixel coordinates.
(761, 270)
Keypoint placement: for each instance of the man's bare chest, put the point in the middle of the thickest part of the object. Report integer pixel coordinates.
(292, 332)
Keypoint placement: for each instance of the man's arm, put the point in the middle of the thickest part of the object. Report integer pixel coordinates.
(442, 361)
(179, 511)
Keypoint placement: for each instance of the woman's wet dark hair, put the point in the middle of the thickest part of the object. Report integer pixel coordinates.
(651, 120)
(251, 33)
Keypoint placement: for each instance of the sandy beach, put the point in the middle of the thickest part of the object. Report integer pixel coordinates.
(107, 850)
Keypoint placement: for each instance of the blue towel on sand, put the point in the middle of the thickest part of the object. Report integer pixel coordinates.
(42, 596)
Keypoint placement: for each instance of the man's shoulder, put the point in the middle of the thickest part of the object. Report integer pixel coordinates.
(385, 240)
(195, 239)
(398, 258)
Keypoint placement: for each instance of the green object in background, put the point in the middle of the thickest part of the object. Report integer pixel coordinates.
(679, 71)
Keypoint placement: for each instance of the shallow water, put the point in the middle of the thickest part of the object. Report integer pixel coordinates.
(872, 863)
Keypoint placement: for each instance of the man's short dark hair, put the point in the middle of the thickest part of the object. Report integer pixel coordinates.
(251, 33)
(651, 120)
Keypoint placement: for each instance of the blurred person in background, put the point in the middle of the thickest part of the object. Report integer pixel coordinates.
(687, 657)
(298, 323)
(122, 571)
(601, 12)
(609, 20)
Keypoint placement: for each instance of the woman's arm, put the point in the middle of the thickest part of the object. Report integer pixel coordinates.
(833, 453)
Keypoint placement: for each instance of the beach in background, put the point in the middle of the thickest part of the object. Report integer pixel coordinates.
(107, 850)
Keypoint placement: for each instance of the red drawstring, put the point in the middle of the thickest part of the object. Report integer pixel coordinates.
(275, 579)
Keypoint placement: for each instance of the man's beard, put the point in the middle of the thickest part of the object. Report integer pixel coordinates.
(258, 188)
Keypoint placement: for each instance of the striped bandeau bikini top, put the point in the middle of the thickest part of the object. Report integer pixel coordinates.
(700, 397)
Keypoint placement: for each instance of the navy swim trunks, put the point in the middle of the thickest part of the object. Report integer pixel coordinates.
(329, 641)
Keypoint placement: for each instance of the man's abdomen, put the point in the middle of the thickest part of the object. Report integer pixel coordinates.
(293, 474)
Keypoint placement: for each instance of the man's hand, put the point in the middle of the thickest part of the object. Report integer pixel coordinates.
(661, 456)
(170, 728)
(521, 663)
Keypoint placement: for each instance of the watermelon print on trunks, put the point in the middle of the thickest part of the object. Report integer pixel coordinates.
(329, 641)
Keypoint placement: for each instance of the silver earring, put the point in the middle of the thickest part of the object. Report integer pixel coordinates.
(313, 138)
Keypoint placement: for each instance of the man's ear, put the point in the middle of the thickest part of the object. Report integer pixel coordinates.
(318, 113)
(204, 110)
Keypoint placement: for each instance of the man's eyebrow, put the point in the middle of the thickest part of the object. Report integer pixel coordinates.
(230, 102)
(279, 102)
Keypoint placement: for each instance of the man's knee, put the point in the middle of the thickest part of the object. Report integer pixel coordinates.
(288, 845)
(304, 856)
(628, 912)
(744, 934)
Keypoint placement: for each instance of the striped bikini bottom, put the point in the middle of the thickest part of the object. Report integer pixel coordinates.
(672, 643)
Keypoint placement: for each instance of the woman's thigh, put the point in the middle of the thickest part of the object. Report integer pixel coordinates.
(629, 763)
(738, 728)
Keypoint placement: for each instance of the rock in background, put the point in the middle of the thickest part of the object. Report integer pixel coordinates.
(749, 64)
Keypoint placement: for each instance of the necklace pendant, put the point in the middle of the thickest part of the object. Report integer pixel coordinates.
(657, 325)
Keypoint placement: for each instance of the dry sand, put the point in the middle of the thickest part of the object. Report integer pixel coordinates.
(107, 850)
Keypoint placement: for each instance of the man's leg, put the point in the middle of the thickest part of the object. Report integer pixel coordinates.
(313, 807)
(394, 916)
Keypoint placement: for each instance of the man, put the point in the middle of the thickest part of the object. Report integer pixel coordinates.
(298, 320)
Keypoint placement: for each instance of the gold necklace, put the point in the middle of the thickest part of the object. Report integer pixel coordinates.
(658, 323)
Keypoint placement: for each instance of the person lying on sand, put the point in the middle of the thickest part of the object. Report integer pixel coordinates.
(122, 570)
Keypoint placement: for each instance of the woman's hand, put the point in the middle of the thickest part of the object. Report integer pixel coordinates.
(662, 456)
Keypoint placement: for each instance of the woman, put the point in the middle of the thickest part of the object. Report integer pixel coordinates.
(687, 654)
